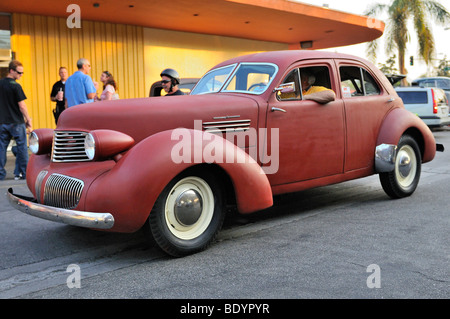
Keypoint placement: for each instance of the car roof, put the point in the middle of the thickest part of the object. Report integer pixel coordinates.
(432, 78)
(417, 88)
(412, 88)
(287, 57)
(284, 59)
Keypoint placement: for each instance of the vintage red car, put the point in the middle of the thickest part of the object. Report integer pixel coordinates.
(248, 131)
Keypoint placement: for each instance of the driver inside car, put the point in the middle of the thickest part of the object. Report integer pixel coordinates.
(319, 94)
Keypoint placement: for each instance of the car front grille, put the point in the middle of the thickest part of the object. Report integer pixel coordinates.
(62, 191)
(69, 147)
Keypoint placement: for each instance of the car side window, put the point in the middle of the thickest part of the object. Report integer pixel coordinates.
(356, 81)
(290, 87)
(439, 96)
(318, 76)
(428, 84)
(443, 84)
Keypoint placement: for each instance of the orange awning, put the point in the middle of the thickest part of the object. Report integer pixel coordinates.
(281, 21)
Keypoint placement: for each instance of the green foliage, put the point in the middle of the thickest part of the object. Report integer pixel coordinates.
(443, 68)
(389, 66)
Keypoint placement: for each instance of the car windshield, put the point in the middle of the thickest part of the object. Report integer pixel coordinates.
(439, 83)
(247, 78)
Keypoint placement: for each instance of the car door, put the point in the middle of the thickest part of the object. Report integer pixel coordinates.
(311, 135)
(366, 104)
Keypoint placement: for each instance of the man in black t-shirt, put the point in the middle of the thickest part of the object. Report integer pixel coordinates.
(14, 120)
(57, 94)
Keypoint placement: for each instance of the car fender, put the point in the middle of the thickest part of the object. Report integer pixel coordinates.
(398, 122)
(141, 174)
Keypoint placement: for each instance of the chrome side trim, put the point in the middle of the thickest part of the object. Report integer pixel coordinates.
(385, 158)
(38, 184)
(225, 117)
(70, 217)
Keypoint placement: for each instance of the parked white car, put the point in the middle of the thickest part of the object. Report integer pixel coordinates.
(430, 104)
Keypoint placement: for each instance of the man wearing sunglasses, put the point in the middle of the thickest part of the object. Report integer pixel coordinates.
(14, 120)
(170, 81)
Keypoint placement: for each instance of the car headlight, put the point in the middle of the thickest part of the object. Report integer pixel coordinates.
(89, 146)
(103, 144)
(33, 143)
(40, 141)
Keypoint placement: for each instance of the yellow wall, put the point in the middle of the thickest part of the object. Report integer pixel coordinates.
(134, 55)
(43, 44)
(193, 54)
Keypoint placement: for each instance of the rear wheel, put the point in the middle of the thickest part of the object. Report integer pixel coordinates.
(188, 214)
(402, 182)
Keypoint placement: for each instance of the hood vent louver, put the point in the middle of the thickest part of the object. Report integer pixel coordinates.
(230, 126)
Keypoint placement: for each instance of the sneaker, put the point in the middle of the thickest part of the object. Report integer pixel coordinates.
(20, 177)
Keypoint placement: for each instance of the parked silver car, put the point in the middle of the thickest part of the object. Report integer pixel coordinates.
(440, 82)
(430, 104)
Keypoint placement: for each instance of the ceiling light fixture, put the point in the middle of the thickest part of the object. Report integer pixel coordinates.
(306, 44)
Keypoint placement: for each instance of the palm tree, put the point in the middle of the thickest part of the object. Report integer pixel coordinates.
(399, 13)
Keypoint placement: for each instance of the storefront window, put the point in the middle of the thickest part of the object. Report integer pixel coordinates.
(5, 43)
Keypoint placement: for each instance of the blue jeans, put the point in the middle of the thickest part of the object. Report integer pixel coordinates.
(19, 133)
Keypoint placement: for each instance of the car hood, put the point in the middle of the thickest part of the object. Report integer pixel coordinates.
(142, 117)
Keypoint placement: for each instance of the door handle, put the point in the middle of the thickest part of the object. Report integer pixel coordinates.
(277, 109)
(391, 100)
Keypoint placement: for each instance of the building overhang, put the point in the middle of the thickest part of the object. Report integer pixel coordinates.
(283, 21)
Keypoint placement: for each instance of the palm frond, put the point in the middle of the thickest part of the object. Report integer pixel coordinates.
(423, 31)
(396, 31)
(371, 50)
(376, 9)
(437, 11)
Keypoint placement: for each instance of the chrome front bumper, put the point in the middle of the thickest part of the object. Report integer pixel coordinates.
(28, 206)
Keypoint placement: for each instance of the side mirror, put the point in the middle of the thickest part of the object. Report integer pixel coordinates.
(286, 88)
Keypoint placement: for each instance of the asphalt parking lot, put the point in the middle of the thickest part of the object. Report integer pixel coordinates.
(343, 241)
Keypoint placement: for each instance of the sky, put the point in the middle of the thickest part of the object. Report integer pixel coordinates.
(441, 35)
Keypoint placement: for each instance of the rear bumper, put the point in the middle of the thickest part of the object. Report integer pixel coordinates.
(435, 121)
(29, 206)
(385, 158)
(385, 155)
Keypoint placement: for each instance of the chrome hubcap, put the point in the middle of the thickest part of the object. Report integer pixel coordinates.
(188, 207)
(405, 166)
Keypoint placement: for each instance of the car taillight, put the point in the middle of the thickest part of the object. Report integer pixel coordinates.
(435, 105)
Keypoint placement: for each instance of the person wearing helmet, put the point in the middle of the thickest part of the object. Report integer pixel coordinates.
(170, 81)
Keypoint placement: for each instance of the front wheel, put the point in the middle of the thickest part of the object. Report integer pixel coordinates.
(188, 214)
(402, 182)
